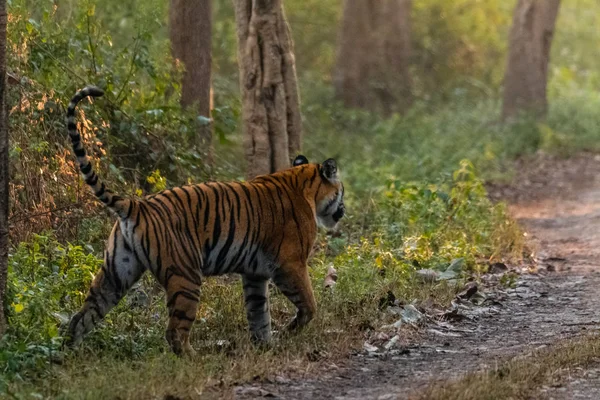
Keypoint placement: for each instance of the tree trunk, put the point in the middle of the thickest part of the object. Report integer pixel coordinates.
(352, 66)
(3, 167)
(190, 24)
(372, 68)
(270, 99)
(526, 74)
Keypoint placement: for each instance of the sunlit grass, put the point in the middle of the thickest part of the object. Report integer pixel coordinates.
(522, 377)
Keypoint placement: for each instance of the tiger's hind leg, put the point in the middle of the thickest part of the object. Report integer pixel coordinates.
(121, 270)
(257, 308)
(183, 295)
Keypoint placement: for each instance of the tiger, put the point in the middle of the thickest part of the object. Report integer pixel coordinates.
(263, 229)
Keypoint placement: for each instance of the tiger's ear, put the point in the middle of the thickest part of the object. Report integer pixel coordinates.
(299, 160)
(329, 170)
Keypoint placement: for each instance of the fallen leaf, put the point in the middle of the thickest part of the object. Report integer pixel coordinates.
(370, 348)
(428, 275)
(478, 299)
(453, 270)
(498, 268)
(440, 333)
(411, 315)
(331, 278)
(391, 342)
(453, 315)
(468, 292)
(282, 379)
(251, 391)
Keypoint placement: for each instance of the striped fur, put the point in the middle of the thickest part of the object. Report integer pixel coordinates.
(116, 203)
(263, 229)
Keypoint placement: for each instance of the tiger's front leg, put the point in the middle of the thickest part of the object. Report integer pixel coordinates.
(293, 281)
(257, 308)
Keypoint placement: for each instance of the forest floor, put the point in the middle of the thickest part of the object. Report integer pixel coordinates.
(536, 338)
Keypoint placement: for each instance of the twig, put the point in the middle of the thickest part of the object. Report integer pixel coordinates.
(115, 106)
(92, 50)
(62, 64)
(12, 219)
(130, 72)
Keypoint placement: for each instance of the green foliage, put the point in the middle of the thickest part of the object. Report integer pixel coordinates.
(459, 45)
(62, 52)
(411, 226)
(47, 281)
(157, 181)
(414, 190)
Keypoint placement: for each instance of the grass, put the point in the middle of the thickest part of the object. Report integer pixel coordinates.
(523, 376)
(111, 366)
(414, 191)
(87, 374)
(130, 342)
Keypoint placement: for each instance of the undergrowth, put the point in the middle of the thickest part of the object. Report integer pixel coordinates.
(414, 189)
(408, 227)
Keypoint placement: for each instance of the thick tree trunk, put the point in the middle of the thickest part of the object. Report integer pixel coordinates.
(393, 88)
(526, 74)
(190, 24)
(354, 51)
(270, 99)
(372, 68)
(3, 167)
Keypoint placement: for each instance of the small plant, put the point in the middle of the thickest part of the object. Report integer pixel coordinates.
(46, 282)
(157, 181)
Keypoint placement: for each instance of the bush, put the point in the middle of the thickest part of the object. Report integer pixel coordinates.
(47, 281)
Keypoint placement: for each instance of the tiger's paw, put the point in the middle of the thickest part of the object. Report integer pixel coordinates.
(299, 321)
(73, 332)
(262, 340)
(188, 351)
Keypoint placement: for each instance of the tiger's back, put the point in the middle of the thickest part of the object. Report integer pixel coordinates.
(232, 227)
(262, 229)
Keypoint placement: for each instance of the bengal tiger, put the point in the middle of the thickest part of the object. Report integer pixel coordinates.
(263, 229)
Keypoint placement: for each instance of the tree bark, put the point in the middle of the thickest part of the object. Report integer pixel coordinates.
(372, 68)
(190, 25)
(526, 74)
(352, 67)
(270, 98)
(3, 167)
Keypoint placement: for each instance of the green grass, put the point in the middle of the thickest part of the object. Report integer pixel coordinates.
(414, 186)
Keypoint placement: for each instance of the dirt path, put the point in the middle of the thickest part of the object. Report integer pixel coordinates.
(558, 204)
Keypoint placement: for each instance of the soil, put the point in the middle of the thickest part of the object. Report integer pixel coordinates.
(557, 202)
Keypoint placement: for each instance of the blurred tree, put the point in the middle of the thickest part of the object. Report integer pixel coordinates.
(530, 40)
(270, 99)
(3, 166)
(372, 68)
(190, 24)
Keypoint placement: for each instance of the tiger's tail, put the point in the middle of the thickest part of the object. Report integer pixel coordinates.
(117, 204)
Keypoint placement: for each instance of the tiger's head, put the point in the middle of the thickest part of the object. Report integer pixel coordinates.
(329, 197)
